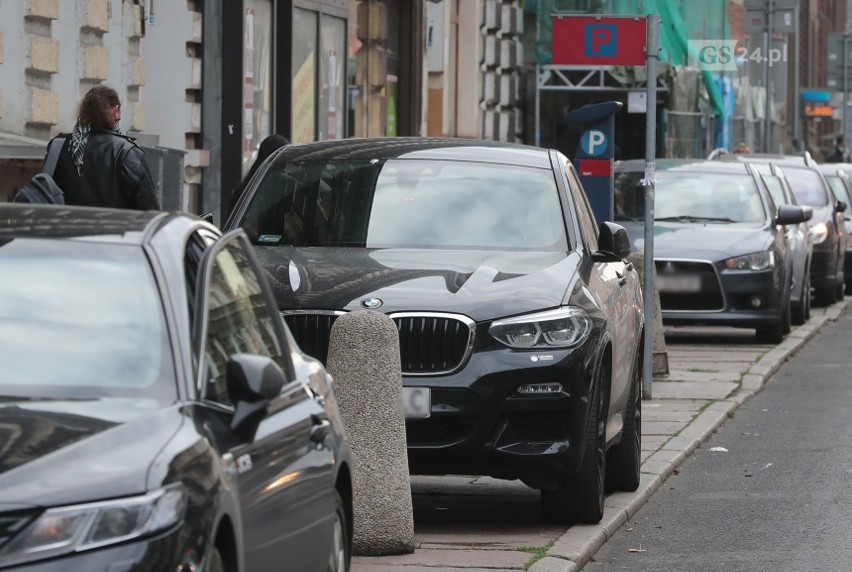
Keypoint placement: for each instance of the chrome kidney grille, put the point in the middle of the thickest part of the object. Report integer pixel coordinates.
(430, 343)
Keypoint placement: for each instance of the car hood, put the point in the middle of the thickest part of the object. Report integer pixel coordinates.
(482, 285)
(701, 241)
(55, 452)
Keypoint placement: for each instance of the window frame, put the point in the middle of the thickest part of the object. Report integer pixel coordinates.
(202, 298)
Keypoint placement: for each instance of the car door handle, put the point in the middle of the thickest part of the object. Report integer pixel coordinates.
(320, 430)
(622, 278)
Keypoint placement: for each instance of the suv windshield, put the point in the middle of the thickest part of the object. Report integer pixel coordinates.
(81, 320)
(407, 203)
(690, 196)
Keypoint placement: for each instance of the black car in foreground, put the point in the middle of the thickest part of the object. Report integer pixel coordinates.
(155, 413)
(519, 318)
(720, 249)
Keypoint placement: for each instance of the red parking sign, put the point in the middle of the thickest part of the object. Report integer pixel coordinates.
(601, 41)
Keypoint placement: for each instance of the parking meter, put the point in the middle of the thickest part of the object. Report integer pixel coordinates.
(595, 125)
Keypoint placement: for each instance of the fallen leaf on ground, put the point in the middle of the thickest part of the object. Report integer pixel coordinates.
(635, 550)
(718, 449)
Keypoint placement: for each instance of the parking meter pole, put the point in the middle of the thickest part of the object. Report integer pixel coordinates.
(537, 106)
(652, 51)
(797, 95)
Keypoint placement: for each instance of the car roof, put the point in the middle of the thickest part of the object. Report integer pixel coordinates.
(832, 168)
(80, 223)
(684, 165)
(434, 148)
(799, 161)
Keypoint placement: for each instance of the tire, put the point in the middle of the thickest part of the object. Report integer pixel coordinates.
(786, 318)
(580, 499)
(770, 334)
(800, 312)
(624, 460)
(826, 296)
(340, 556)
(215, 563)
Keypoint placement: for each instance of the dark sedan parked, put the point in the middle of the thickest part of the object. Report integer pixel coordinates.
(826, 225)
(719, 249)
(155, 413)
(519, 318)
(838, 177)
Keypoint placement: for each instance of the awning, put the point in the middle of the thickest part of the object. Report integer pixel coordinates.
(18, 147)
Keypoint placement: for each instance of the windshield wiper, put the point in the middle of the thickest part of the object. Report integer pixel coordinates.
(692, 218)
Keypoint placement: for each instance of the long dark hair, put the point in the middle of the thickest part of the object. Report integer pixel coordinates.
(95, 107)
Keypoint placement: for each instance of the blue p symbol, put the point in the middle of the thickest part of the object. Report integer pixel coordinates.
(600, 40)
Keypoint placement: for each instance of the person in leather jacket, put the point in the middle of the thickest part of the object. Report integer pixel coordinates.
(101, 166)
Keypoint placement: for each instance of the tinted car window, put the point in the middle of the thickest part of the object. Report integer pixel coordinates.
(776, 189)
(584, 211)
(838, 187)
(726, 196)
(239, 319)
(407, 203)
(807, 186)
(93, 308)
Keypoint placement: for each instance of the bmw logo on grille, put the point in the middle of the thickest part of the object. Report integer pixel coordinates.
(371, 303)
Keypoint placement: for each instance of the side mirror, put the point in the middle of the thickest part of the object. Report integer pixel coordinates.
(613, 243)
(792, 214)
(841, 206)
(252, 382)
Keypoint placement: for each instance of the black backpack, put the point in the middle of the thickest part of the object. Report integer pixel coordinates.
(42, 189)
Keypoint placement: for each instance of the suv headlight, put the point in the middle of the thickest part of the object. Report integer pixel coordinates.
(755, 261)
(81, 527)
(562, 328)
(819, 232)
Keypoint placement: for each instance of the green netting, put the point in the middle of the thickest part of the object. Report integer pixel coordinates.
(680, 21)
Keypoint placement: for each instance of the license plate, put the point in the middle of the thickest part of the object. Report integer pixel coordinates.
(684, 283)
(417, 402)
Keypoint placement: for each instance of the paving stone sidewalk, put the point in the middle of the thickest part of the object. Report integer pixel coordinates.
(478, 524)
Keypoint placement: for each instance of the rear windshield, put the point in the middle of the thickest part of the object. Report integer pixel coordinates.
(807, 186)
(406, 203)
(714, 197)
(81, 320)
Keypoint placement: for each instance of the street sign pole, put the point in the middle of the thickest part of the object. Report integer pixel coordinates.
(797, 101)
(767, 43)
(651, 55)
(843, 110)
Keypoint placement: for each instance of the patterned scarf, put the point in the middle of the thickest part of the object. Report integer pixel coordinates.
(79, 138)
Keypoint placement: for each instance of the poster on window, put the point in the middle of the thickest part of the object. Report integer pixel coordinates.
(303, 102)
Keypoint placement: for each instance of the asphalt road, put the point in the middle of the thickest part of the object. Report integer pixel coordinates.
(778, 493)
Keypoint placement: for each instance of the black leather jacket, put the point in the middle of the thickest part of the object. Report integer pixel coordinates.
(115, 174)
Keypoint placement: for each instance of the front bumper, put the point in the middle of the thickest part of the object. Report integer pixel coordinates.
(167, 551)
(744, 299)
(480, 425)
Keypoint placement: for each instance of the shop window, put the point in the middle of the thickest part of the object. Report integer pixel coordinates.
(374, 67)
(257, 77)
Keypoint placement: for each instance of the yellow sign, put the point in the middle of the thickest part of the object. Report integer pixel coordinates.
(818, 110)
(303, 102)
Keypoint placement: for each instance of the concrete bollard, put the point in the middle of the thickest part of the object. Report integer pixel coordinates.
(659, 354)
(363, 358)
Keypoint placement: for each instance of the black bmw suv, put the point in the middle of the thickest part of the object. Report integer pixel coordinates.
(520, 321)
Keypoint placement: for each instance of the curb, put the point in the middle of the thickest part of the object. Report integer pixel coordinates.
(575, 548)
